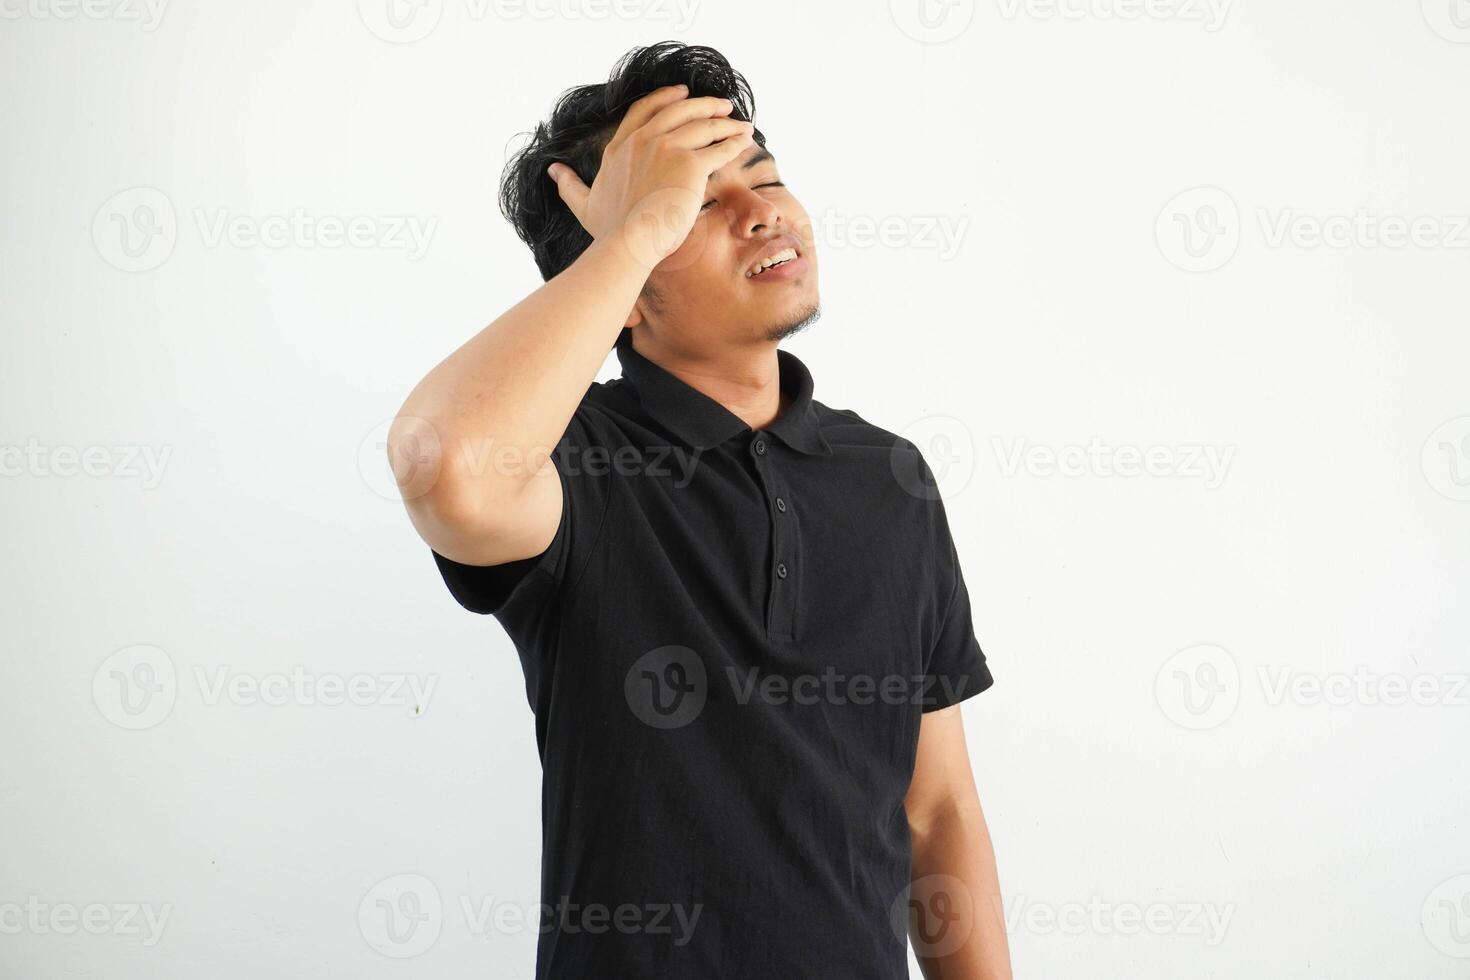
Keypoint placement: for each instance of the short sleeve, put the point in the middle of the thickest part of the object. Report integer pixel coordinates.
(955, 668)
(516, 591)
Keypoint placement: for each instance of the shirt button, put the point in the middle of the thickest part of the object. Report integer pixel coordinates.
(781, 505)
(760, 447)
(781, 569)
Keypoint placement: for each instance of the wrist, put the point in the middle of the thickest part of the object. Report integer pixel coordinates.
(625, 254)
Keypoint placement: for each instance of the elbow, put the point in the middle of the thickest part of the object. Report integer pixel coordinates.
(416, 458)
(947, 818)
(448, 499)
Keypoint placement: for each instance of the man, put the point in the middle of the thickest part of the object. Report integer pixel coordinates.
(739, 612)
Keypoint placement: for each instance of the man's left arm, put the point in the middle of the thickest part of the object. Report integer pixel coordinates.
(957, 921)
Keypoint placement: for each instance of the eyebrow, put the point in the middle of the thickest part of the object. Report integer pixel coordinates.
(759, 158)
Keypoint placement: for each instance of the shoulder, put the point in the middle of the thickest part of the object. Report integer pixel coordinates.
(887, 458)
(608, 397)
(845, 429)
(604, 411)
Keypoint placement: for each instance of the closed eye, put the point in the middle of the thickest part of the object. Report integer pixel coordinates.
(769, 183)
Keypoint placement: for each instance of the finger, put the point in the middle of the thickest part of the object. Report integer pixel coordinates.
(703, 132)
(570, 187)
(671, 117)
(645, 108)
(716, 155)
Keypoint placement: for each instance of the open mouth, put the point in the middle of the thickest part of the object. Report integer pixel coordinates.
(771, 262)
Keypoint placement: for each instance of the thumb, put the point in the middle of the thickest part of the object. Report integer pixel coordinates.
(569, 186)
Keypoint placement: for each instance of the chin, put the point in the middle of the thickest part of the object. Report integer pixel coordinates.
(797, 321)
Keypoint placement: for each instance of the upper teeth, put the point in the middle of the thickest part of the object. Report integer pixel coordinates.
(785, 255)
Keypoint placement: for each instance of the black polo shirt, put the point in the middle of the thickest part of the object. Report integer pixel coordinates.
(728, 647)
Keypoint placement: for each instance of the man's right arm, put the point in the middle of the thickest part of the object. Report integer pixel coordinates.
(478, 430)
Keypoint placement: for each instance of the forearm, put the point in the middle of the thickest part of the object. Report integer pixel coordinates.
(472, 436)
(495, 407)
(955, 879)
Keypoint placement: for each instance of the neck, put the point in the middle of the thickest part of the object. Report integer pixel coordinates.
(746, 380)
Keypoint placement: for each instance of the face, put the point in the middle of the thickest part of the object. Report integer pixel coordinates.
(703, 296)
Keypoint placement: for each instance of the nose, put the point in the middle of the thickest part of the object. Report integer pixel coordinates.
(755, 214)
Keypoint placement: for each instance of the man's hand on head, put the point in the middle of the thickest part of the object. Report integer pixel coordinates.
(651, 182)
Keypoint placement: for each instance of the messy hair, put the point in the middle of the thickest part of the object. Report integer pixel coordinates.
(581, 125)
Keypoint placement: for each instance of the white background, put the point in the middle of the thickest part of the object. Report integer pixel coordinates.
(1037, 170)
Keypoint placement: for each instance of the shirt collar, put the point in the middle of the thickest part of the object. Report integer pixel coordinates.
(703, 422)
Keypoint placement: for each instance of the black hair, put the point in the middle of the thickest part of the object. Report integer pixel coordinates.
(583, 121)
